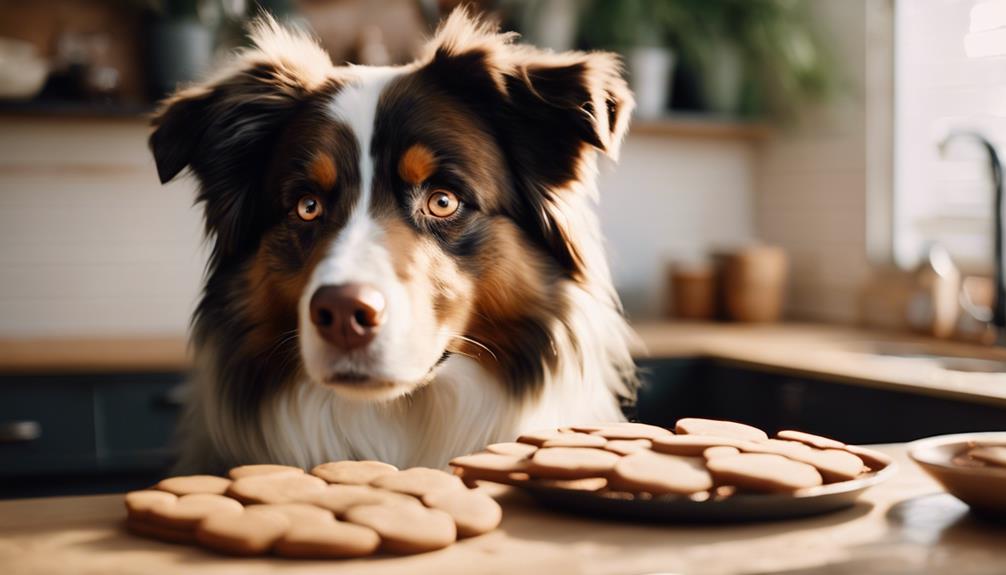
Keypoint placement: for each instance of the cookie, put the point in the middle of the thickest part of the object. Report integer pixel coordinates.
(571, 462)
(875, 460)
(138, 503)
(352, 472)
(418, 481)
(339, 499)
(492, 467)
(660, 474)
(720, 451)
(189, 484)
(406, 529)
(576, 440)
(188, 510)
(810, 439)
(990, 454)
(834, 464)
(584, 484)
(512, 448)
(763, 472)
(334, 540)
(250, 532)
(718, 428)
(538, 438)
(627, 446)
(632, 431)
(297, 513)
(692, 445)
(261, 469)
(473, 512)
(276, 488)
(160, 532)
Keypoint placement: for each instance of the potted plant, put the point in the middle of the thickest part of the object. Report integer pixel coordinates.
(646, 33)
(758, 56)
(183, 37)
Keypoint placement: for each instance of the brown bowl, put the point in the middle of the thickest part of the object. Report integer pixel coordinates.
(982, 488)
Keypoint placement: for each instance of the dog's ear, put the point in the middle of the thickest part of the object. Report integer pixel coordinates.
(224, 128)
(550, 111)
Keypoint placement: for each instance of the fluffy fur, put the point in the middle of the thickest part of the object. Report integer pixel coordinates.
(501, 319)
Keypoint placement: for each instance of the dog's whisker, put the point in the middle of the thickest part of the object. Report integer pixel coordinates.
(473, 342)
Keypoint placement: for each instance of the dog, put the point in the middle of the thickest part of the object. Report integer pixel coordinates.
(406, 264)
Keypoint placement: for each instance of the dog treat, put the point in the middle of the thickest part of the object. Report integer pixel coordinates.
(188, 510)
(406, 529)
(718, 428)
(692, 445)
(261, 469)
(339, 499)
(765, 472)
(575, 440)
(875, 460)
(252, 531)
(190, 484)
(473, 511)
(585, 484)
(989, 454)
(493, 467)
(659, 474)
(138, 503)
(632, 431)
(418, 481)
(627, 446)
(834, 464)
(329, 540)
(512, 448)
(538, 438)
(571, 462)
(352, 472)
(160, 532)
(296, 512)
(293, 514)
(720, 451)
(810, 439)
(276, 488)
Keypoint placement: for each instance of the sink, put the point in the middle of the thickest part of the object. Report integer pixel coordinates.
(923, 353)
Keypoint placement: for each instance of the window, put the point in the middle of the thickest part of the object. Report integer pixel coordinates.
(949, 75)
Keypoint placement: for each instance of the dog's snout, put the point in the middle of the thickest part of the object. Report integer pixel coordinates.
(347, 316)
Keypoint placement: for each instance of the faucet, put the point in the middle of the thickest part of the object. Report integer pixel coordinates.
(996, 169)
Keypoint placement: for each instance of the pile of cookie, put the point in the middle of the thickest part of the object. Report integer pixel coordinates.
(982, 455)
(338, 510)
(702, 459)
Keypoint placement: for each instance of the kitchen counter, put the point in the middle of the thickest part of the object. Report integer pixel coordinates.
(838, 353)
(904, 525)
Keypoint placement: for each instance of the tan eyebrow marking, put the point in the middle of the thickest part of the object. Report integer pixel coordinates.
(321, 169)
(417, 164)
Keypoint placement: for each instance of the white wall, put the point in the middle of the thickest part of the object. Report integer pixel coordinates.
(92, 244)
(811, 195)
(672, 199)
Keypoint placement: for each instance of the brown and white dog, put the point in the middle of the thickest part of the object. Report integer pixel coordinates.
(406, 265)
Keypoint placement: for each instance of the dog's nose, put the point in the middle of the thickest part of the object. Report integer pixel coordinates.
(347, 316)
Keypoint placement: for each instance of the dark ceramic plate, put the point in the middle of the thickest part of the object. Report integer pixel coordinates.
(615, 505)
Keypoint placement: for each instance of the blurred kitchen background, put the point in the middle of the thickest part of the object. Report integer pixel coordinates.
(785, 168)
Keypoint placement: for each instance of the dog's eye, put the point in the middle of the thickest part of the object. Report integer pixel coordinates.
(442, 203)
(309, 208)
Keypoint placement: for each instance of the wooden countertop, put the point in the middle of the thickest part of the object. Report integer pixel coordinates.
(833, 352)
(904, 525)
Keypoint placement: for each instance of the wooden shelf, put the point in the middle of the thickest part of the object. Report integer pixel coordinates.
(699, 126)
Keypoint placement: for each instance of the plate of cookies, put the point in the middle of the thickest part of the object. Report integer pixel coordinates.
(704, 470)
(971, 466)
(338, 510)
